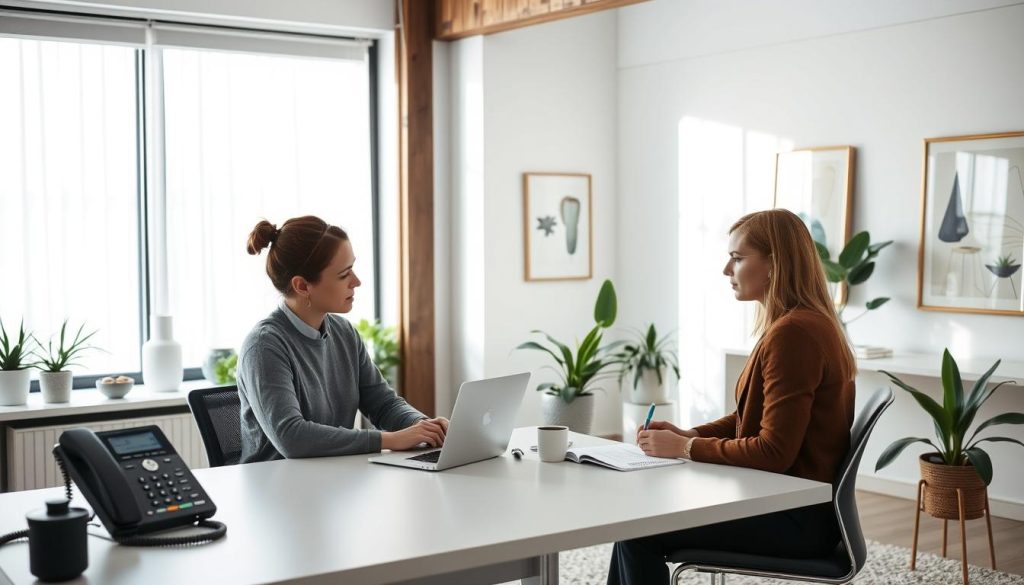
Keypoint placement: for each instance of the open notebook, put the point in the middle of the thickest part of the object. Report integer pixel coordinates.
(619, 456)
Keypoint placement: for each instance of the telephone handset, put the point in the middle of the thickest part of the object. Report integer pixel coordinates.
(136, 483)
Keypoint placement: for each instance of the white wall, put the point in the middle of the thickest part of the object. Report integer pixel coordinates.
(535, 99)
(749, 80)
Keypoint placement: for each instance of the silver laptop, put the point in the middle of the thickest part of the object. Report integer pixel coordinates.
(480, 427)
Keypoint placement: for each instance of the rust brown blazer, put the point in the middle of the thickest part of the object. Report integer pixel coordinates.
(793, 407)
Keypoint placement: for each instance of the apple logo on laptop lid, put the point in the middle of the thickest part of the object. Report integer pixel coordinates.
(487, 418)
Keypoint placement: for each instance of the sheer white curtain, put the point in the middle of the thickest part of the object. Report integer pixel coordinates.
(68, 200)
(253, 136)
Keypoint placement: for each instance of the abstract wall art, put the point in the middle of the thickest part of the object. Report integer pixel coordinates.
(557, 226)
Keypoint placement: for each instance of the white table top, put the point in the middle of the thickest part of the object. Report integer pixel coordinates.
(342, 519)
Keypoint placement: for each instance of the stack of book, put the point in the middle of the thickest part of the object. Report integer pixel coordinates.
(871, 351)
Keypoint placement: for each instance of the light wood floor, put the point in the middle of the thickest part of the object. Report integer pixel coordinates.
(891, 521)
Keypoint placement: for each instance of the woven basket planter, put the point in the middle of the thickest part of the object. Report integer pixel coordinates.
(942, 481)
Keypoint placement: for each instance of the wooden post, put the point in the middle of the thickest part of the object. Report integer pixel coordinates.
(963, 533)
(416, 202)
(917, 522)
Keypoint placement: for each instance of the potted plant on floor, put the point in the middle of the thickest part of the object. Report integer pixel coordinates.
(959, 470)
(15, 373)
(570, 400)
(648, 359)
(55, 378)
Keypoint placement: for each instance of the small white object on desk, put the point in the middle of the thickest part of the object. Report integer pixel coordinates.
(870, 352)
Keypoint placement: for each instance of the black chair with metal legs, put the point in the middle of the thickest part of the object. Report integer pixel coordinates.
(838, 567)
(218, 415)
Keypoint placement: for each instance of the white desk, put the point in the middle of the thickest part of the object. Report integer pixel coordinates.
(345, 520)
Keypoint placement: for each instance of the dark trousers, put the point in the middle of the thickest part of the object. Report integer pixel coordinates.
(800, 533)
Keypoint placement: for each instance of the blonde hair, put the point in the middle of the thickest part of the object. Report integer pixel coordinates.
(797, 278)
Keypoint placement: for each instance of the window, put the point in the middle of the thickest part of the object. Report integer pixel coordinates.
(131, 175)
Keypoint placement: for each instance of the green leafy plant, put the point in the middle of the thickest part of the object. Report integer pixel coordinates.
(383, 344)
(1005, 261)
(225, 369)
(14, 354)
(579, 371)
(59, 357)
(953, 418)
(854, 266)
(647, 352)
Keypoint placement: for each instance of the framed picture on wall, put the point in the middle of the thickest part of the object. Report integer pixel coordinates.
(972, 224)
(817, 185)
(557, 226)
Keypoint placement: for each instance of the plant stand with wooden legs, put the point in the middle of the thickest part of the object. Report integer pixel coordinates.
(962, 517)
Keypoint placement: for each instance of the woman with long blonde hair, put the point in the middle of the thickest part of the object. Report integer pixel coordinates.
(794, 403)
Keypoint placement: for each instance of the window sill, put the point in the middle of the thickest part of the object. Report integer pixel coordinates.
(92, 402)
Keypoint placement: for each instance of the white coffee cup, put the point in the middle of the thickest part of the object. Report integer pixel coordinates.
(552, 443)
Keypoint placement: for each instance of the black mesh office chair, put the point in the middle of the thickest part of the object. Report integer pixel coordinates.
(217, 411)
(843, 563)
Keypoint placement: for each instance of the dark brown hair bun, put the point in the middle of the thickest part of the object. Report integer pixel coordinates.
(261, 236)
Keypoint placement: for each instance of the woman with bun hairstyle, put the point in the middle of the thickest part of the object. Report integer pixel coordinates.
(303, 372)
(795, 401)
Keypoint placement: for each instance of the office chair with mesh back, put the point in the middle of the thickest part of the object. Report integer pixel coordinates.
(217, 412)
(843, 563)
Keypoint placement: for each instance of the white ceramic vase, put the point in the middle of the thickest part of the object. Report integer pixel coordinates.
(577, 415)
(14, 386)
(649, 389)
(161, 357)
(55, 386)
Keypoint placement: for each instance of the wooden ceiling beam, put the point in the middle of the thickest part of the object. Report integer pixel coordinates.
(456, 19)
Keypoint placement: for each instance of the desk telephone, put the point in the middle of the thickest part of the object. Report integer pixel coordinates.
(137, 484)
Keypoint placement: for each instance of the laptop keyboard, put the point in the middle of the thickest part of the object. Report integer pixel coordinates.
(430, 457)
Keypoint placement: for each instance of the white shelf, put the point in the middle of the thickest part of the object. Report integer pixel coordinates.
(929, 365)
(91, 402)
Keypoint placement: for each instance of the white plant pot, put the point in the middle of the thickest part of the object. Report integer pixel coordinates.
(55, 386)
(14, 386)
(577, 415)
(649, 389)
(161, 358)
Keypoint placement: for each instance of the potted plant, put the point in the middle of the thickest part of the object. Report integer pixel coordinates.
(570, 400)
(15, 375)
(648, 359)
(853, 266)
(54, 376)
(958, 462)
(225, 371)
(383, 345)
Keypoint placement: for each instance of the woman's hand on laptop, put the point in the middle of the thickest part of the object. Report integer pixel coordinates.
(429, 431)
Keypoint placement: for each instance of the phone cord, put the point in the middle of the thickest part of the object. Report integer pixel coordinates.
(67, 490)
(217, 531)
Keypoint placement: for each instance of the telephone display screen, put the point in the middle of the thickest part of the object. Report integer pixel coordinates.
(134, 443)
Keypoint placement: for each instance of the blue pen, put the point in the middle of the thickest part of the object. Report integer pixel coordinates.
(650, 413)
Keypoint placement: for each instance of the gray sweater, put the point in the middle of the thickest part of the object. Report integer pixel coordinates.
(301, 388)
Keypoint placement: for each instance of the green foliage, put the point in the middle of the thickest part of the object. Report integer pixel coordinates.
(1005, 261)
(647, 352)
(953, 418)
(14, 355)
(383, 345)
(225, 370)
(580, 370)
(59, 357)
(856, 263)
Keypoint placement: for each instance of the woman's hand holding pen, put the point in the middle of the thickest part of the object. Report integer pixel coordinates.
(664, 425)
(430, 431)
(661, 443)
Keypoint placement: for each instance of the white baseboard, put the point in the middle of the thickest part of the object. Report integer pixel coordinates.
(907, 490)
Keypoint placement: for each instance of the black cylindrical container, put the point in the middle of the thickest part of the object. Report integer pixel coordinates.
(57, 547)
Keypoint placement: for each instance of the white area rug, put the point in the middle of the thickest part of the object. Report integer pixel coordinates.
(887, 564)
